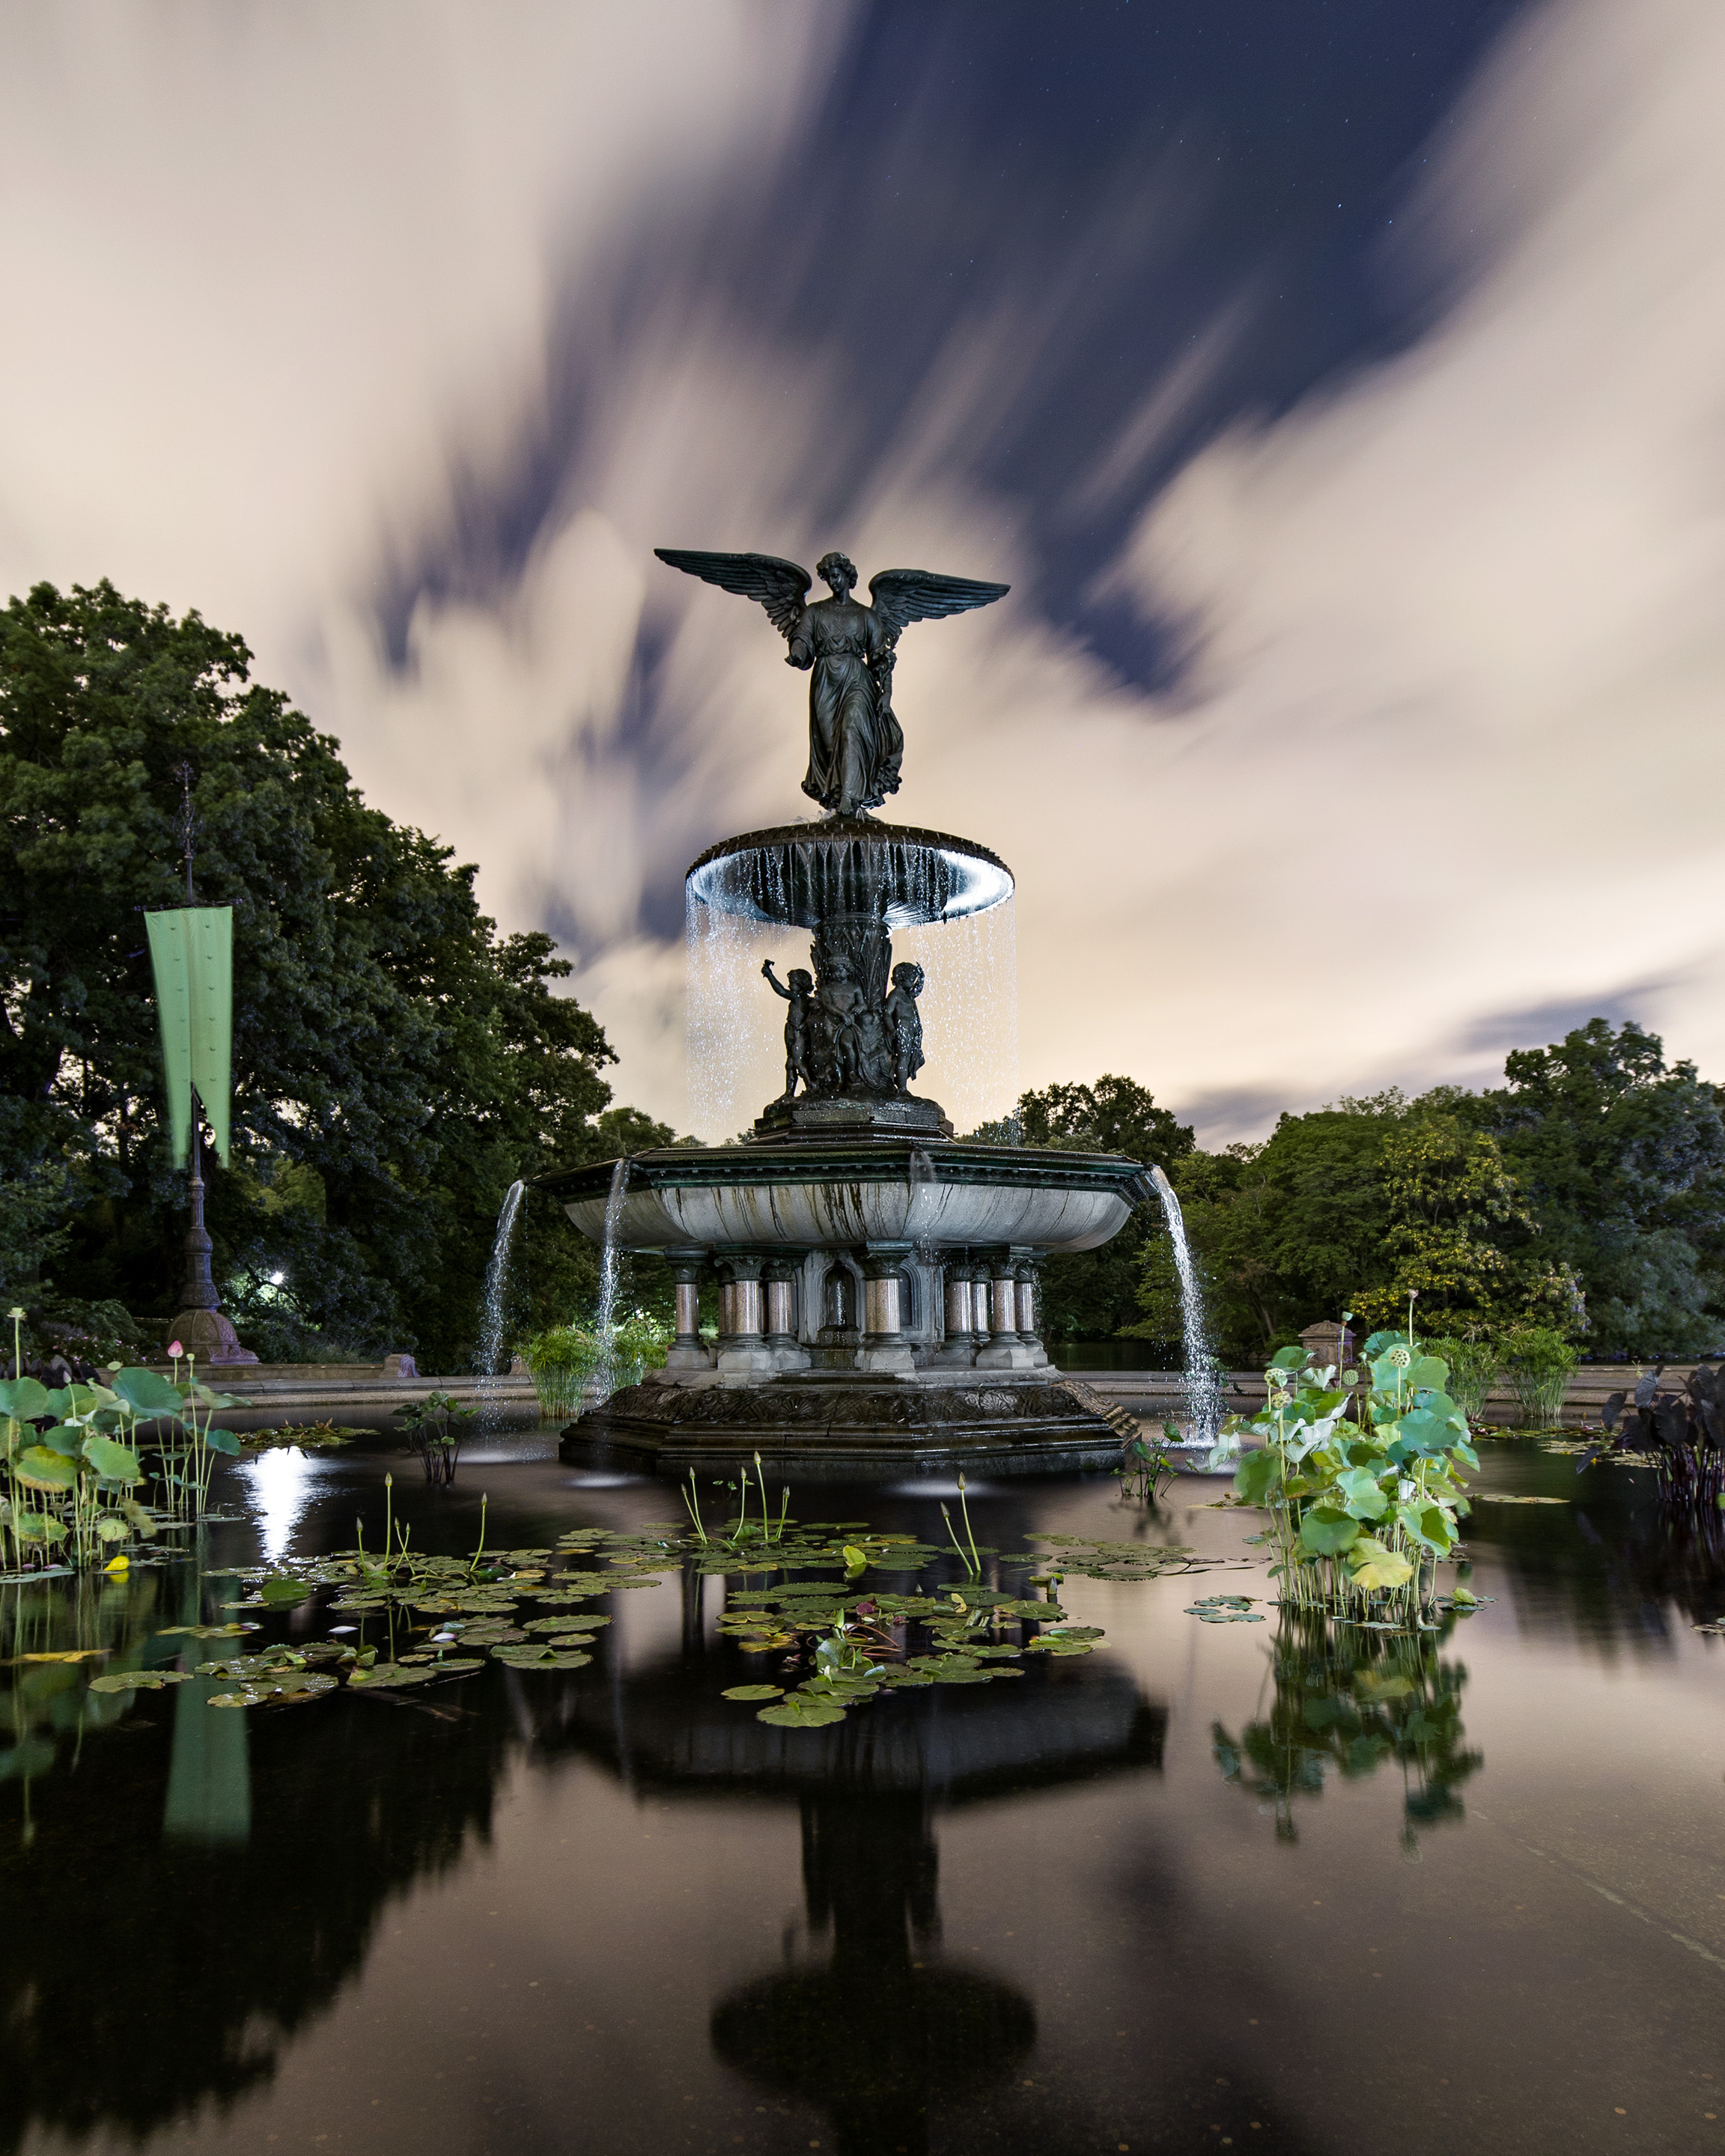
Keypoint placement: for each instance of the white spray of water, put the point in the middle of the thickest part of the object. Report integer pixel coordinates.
(736, 1024)
(1205, 1408)
(495, 1309)
(607, 1375)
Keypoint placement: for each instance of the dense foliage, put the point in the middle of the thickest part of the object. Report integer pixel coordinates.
(397, 1062)
(1584, 1198)
(1093, 1293)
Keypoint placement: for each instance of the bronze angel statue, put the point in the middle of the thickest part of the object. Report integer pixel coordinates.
(854, 742)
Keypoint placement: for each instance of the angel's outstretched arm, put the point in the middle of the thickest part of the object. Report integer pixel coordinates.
(773, 981)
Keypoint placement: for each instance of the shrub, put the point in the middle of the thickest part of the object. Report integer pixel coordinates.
(1538, 1362)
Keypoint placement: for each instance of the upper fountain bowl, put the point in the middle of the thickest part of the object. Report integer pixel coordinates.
(803, 874)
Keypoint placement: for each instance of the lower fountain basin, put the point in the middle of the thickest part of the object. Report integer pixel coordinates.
(930, 1195)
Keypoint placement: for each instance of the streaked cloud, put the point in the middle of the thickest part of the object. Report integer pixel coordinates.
(398, 341)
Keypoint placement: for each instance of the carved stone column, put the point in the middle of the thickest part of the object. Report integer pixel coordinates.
(958, 1349)
(884, 1350)
(1005, 1350)
(742, 1350)
(689, 1352)
(787, 1352)
(1029, 1273)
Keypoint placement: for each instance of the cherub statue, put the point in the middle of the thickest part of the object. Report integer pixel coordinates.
(799, 995)
(839, 1002)
(904, 1025)
(854, 741)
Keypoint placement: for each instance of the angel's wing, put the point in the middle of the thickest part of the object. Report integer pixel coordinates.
(902, 596)
(779, 586)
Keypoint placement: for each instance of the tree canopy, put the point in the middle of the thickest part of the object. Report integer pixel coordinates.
(397, 1062)
(1586, 1194)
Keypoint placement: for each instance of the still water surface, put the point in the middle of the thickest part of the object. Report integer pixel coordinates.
(607, 1910)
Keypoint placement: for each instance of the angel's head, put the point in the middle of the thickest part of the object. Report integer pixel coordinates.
(838, 571)
(909, 978)
(802, 983)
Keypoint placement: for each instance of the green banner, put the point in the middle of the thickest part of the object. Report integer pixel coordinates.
(191, 953)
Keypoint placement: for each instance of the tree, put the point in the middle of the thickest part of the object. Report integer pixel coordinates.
(1622, 1161)
(397, 1063)
(1091, 1295)
(1347, 1208)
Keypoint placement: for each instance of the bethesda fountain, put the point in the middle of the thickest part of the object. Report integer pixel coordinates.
(877, 1276)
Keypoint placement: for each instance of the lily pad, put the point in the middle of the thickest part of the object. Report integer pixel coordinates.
(289, 1691)
(539, 1657)
(565, 1624)
(754, 1691)
(138, 1679)
(789, 1716)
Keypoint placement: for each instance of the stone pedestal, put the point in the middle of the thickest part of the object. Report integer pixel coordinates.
(201, 1328)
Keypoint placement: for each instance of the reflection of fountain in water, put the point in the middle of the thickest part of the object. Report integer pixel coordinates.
(735, 1031)
(1205, 1408)
(495, 1309)
(606, 1376)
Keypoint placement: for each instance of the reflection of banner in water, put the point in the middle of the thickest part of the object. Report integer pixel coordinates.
(1348, 1700)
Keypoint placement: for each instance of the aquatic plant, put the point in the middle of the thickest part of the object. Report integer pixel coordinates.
(1473, 1366)
(1359, 1471)
(565, 1359)
(73, 1463)
(298, 1436)
(1145, 1469)
(436, 1445)
(1679, 1435)
(1538, 1362)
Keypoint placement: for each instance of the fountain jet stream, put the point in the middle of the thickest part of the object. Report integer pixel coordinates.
(1205, 1407)
(495, 1308)
(606, 1376)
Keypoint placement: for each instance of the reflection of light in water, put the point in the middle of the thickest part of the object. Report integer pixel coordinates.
(281, 1488)
(602, 1481)
(928, 1486)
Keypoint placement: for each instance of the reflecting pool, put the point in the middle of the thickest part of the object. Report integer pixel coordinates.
(1228, 1881)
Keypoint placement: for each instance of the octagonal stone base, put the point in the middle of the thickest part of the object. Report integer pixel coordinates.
(839, 1426)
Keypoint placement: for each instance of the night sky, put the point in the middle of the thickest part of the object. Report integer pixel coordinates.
(1335, 384)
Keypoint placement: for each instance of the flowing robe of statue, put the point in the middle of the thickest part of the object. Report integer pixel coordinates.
(854, 742)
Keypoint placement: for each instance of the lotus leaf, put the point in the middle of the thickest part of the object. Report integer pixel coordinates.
(38, 1467)
(1327, 1532)
(1389, 1570)
(25, 1398)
